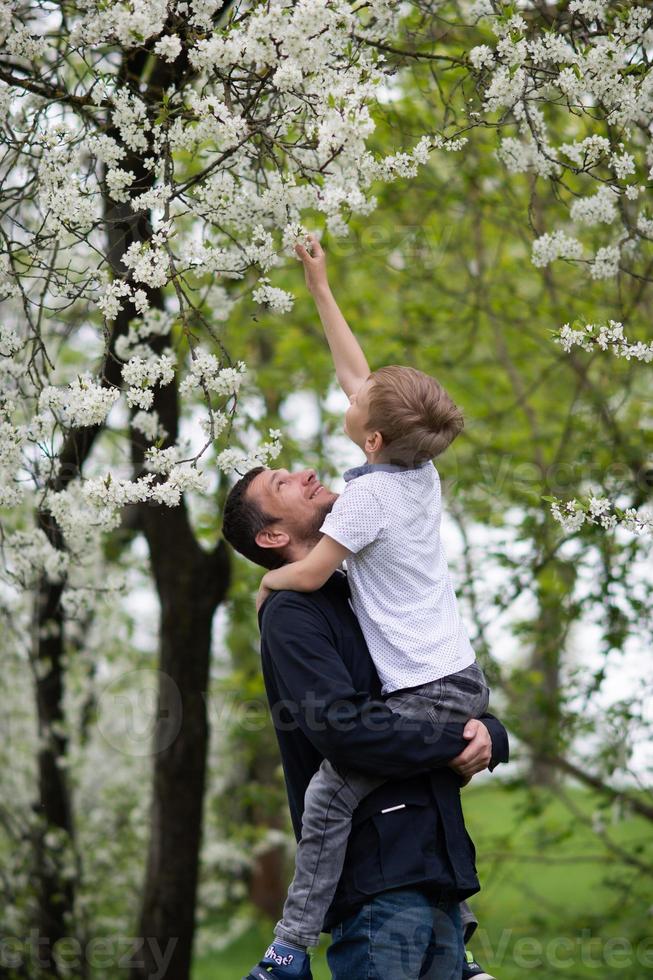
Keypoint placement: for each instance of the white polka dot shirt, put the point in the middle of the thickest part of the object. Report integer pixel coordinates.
(389, 518)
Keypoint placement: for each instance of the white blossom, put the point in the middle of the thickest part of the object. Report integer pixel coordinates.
(118, 182)
(148, 265)
(277, 299)
(206, 371)
(607, 337)
(168, 47)
(549, 247)
(109, 300)
(482, 56)
(149, 425)
(230, 460)
(82, 402)
(598, 208)
(606, 262)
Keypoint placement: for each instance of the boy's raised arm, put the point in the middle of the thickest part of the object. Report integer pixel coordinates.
(351, 365)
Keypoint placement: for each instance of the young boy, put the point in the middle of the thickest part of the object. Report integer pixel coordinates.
(386, 524)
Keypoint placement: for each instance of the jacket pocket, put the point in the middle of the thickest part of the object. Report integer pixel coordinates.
(392, 847)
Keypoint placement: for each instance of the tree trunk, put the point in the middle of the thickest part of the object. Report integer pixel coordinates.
(542, 718)
(191, 583)
(56, 895)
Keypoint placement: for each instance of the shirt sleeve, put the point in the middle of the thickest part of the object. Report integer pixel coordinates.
(499, 736)
(357, 517)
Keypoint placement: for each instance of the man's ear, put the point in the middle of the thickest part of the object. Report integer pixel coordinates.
(271, 538)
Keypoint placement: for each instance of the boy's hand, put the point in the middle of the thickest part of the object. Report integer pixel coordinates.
(261, 595)
(314, 262)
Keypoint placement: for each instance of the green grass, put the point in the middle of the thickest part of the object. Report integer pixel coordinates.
(555, 900)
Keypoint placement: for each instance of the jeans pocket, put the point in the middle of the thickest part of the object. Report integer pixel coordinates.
(416, 706)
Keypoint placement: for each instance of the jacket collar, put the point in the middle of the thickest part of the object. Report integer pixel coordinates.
(355, 471)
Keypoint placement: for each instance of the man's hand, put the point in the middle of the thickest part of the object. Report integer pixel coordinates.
(262, 594)
(476, 757)
(315, 271)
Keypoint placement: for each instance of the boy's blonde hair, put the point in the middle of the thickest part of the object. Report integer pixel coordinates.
(413, 413)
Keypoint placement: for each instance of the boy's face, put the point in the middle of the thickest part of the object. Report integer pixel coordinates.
(357, 415)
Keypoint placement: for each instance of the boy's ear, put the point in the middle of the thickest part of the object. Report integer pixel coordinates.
(374, 443)
(271, 538)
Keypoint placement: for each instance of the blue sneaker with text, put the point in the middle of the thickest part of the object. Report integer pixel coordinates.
(282, 961)
(472, 970)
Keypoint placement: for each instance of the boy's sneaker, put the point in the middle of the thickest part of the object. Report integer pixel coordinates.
(282, 962)
(472, 971)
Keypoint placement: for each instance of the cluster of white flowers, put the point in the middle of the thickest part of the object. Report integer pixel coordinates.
(149, 425)
(607, 337)
(153, 323)
(214, 424)
(547, 248)
(82, 402)
(119, 181)
(30, 555)
(586, 153)
(573, 514)
(65, 201)
(240, 460)
(11, 445)
(606, 262)
(109, 496)
(131, 119)
(142, 374)
(206, 371)
(110, 297)
(407, 164)
(482, 56)
(596, 209)
(520, 156)
(279, 300)
(583, 69)
(168, 47)
(10, 342)
(148, 264)
(8, 283)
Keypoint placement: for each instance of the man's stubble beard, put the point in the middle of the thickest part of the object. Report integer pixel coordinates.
(313, 533)
(310, 535)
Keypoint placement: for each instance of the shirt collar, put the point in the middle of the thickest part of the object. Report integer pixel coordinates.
(355, 471)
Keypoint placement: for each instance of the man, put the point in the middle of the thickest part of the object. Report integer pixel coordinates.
(409, 861)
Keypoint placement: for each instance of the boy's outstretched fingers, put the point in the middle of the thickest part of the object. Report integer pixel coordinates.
(314, 262)
(314, 245)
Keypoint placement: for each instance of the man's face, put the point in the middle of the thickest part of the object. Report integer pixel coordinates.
(298, 500)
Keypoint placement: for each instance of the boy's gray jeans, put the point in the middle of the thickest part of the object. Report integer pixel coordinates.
(332, 797)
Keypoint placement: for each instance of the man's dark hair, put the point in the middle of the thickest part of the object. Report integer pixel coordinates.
(242, 521)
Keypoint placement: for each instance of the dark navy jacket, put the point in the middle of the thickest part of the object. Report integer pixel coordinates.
(325, 699)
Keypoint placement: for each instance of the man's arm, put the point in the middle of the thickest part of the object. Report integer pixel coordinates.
(346, 726)
(350, 362)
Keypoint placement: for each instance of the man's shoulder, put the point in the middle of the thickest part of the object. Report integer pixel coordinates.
(284, 607)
